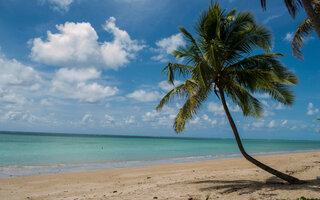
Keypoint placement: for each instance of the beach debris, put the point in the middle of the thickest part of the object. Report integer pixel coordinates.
(115, 191)
(148, 177)
(155, 197)
(318, 177)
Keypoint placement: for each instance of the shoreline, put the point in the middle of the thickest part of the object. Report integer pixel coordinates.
(18, 171)
(233, 178)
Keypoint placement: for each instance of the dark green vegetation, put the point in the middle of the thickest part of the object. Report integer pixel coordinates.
(220, 60)
(312, 22)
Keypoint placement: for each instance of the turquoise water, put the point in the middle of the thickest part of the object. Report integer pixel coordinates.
(35, 150)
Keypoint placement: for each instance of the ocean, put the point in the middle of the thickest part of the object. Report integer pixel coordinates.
(28, 154)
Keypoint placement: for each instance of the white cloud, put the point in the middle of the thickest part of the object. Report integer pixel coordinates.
(163, 118)
(270, 18)
(272, 124)
(19, 116)
(9, 97)
(108, 119)
(234, 109)
(289, 36)
(195, 120)
(87, 118)
(118, 52)
(165, 46)
(258, 124)
(284, 122)
(76, 45)
(280, 106)
(59, 5)
(16, 82)
(311, 109)
(267, 113)
(130, 120)
(16, 74)
(144, 96)
(215, 108)
(150, 116)
(74, 84)
(77, 75)
(206, 118)
(164, 85)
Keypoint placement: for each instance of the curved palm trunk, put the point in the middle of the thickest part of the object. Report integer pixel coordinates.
(281, 175)
(314, 18)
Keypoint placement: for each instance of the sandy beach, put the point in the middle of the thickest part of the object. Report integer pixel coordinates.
(233, 178)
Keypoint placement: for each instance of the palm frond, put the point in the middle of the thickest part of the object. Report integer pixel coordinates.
(173, 69)
(303, 30)
(249, 105)
(292, 6)
(190, 108)
(183, 90)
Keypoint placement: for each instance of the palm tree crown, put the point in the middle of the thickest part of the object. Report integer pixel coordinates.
(220, 59)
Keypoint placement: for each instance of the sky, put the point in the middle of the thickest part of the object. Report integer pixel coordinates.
(94, 67)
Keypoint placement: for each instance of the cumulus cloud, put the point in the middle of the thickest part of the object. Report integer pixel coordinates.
(165, 47)
(16, 80)
(16, 74)
(312, 110)
(77, 84)
(76, 45)
(144, 96)
(121, 49)
(10, 98)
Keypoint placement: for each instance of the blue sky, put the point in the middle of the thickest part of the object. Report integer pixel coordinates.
(80, 66)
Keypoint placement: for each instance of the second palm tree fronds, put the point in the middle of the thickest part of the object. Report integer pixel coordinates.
(308, 5)
(220, 61)
(303, 30)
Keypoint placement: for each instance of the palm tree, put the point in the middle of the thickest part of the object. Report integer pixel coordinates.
(220, 60)
(303, 30)
(293, 6)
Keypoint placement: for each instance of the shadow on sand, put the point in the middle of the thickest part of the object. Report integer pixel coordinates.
(249, 186)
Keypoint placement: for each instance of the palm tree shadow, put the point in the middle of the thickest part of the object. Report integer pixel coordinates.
(249, 186)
